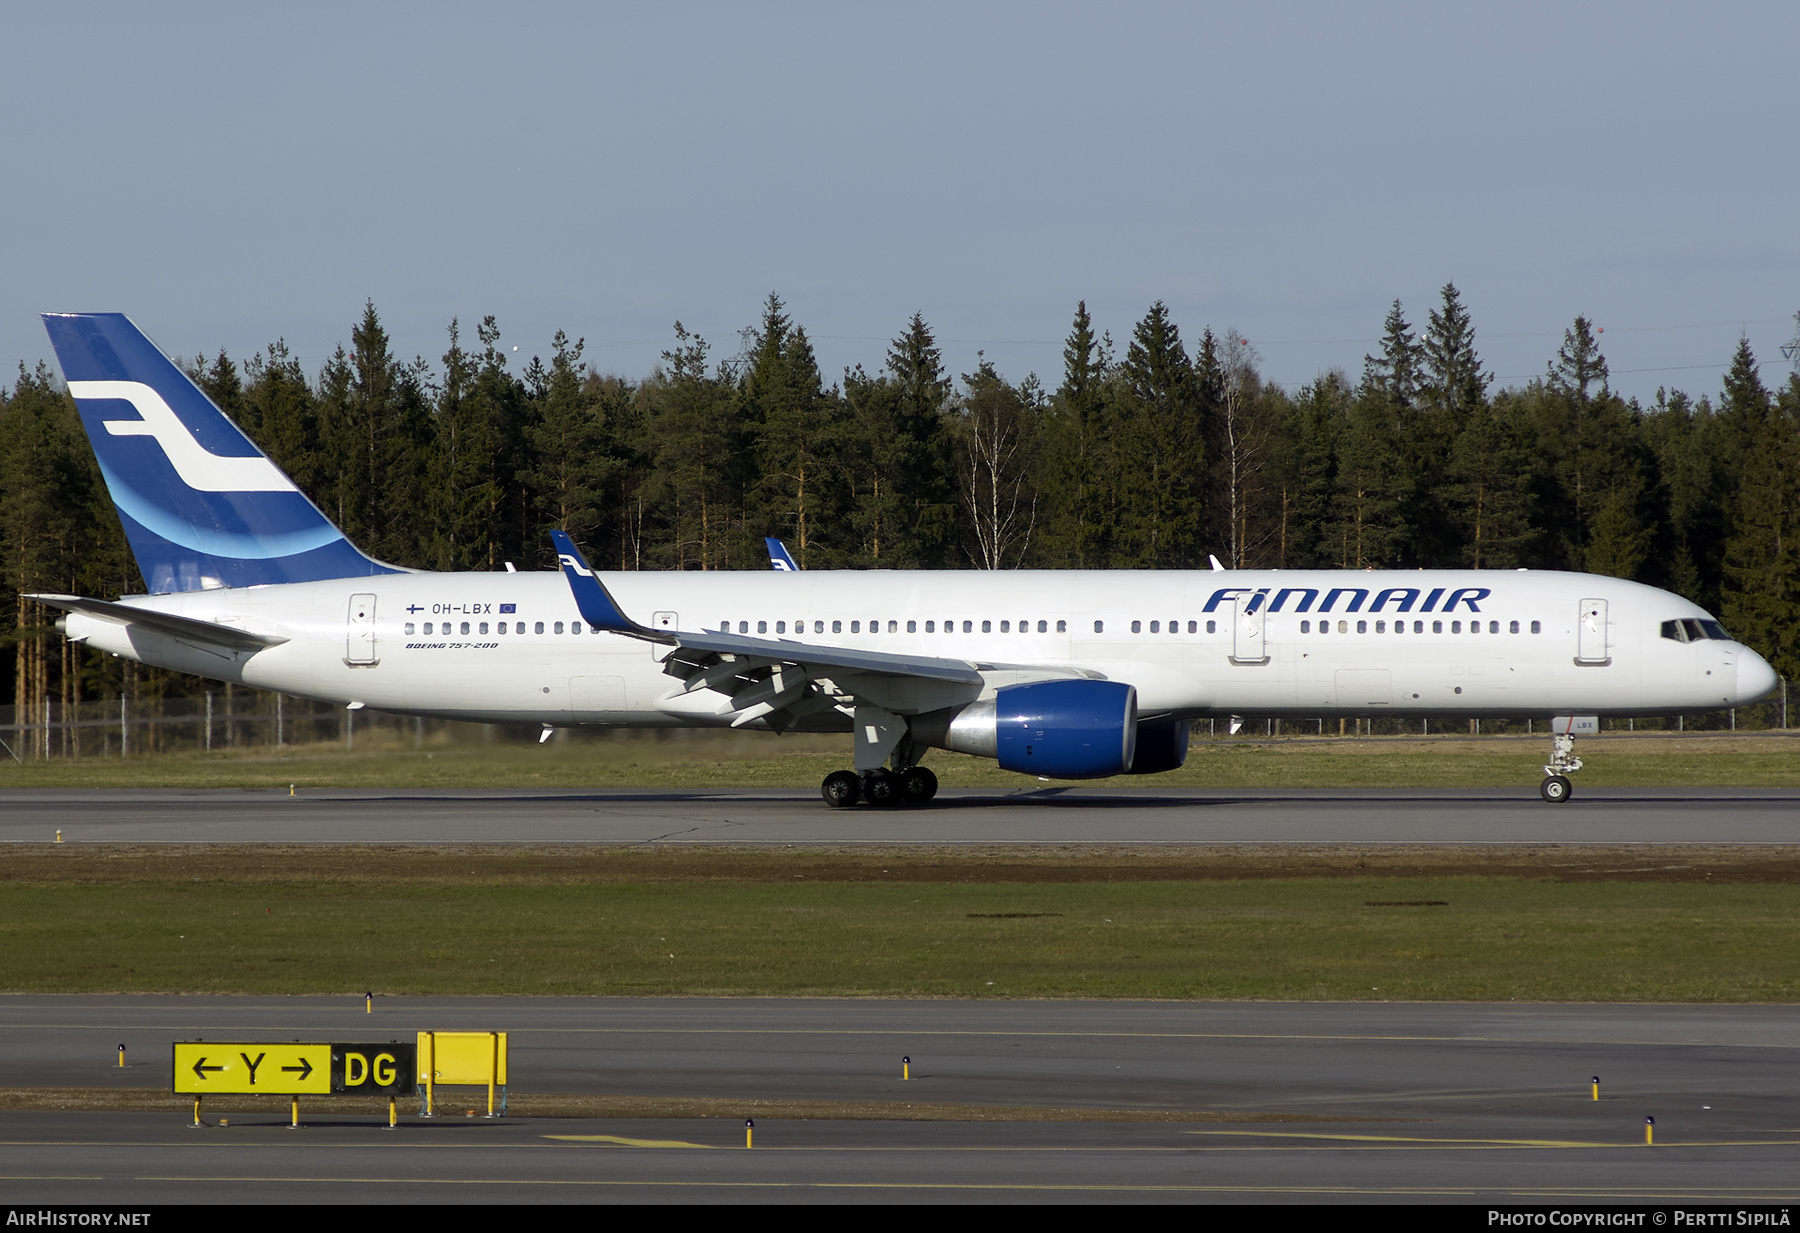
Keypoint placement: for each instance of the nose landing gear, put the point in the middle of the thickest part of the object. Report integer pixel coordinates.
(1556, 787)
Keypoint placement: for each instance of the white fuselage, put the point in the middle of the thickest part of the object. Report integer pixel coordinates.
(1192, 643)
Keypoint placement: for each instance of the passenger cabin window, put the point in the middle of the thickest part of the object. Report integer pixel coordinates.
(762, 627)
(465, 627)
(781, 627)
(1212, 627)
(1099, 627)
(837, 627)
(484, 626)
(540, 627)
(968, 627)
(1062, 627)
(931, 627)
(559, 626)
(1137, 627)
(409, 627)
(1005, 626)
(912, 627)
(856, 627)
(1305, 627)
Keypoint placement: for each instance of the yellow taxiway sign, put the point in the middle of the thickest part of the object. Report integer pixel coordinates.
(203, 1068)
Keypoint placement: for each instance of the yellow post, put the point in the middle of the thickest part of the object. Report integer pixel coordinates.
(290, 789)
(1649, 1131)
(1596, 1087)
(121, 1057)
(906, 1068)
(430, 1052)
(393, 1114)
(295, 1124)
(369, 1003)
(59, 836)
(749, 1130)
(493, 1070)
(197, 1121)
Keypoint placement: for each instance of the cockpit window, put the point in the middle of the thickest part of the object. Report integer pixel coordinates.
(1690, 630)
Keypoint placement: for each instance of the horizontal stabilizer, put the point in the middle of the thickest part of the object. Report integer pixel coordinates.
(186, 628)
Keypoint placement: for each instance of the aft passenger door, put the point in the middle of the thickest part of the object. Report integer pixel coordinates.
(359, 645)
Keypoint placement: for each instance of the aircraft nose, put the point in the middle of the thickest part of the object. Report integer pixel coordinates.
(1756, 680)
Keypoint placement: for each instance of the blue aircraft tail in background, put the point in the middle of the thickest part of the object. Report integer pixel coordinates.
(202, 506)
(780, 559)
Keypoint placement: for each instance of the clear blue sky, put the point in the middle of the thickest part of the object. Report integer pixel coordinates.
(232, 173)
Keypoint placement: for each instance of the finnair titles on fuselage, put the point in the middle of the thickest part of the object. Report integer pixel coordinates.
(1058, 674)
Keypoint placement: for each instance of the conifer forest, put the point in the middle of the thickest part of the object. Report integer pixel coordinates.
(1150, 451)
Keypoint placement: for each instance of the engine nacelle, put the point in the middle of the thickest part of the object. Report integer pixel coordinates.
(1161, 746)
(1080, 729)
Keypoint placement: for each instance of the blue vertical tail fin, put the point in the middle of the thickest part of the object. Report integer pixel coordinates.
(201, 505)
(780, 559)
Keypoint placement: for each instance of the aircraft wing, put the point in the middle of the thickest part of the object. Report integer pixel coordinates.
(207, 633)
(778, 679)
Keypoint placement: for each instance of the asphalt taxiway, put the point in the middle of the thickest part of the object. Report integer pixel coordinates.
(1046, 816)
(1310, 1102)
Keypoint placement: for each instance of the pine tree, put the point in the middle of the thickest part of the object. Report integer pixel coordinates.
(1369, 527)
(279, 414)
(698, 444)
(1396, 373)
(1073, 524)
(797, 427)
(1488, 491)
(1762, 558)
(910, 456)
(571, 468)
(1453, 381)
(1159, 442)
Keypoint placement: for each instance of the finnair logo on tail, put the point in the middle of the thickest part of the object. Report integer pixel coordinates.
(574, 563)
(198, 467)
(784, 567)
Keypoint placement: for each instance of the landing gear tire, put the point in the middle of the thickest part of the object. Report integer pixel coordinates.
(918, 785)
(1555, 789)
(881, 790)
(840, 789)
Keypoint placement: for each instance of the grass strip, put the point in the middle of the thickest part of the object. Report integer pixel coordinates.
(1547, 924)
(751, 760)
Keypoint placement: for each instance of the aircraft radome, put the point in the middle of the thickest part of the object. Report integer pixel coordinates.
(1057, 674)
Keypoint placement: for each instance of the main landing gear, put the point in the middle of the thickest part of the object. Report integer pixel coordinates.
(883, 789)
(881, 737)
(1556, 787)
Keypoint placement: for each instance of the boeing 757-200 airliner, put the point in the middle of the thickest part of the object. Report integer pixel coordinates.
(1057, 674)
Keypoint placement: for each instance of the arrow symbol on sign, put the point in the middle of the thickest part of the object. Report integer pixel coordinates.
(305, 1068)
(200, 1068)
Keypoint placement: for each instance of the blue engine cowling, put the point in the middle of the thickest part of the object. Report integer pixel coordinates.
(1066, 729)
(1161, 746)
